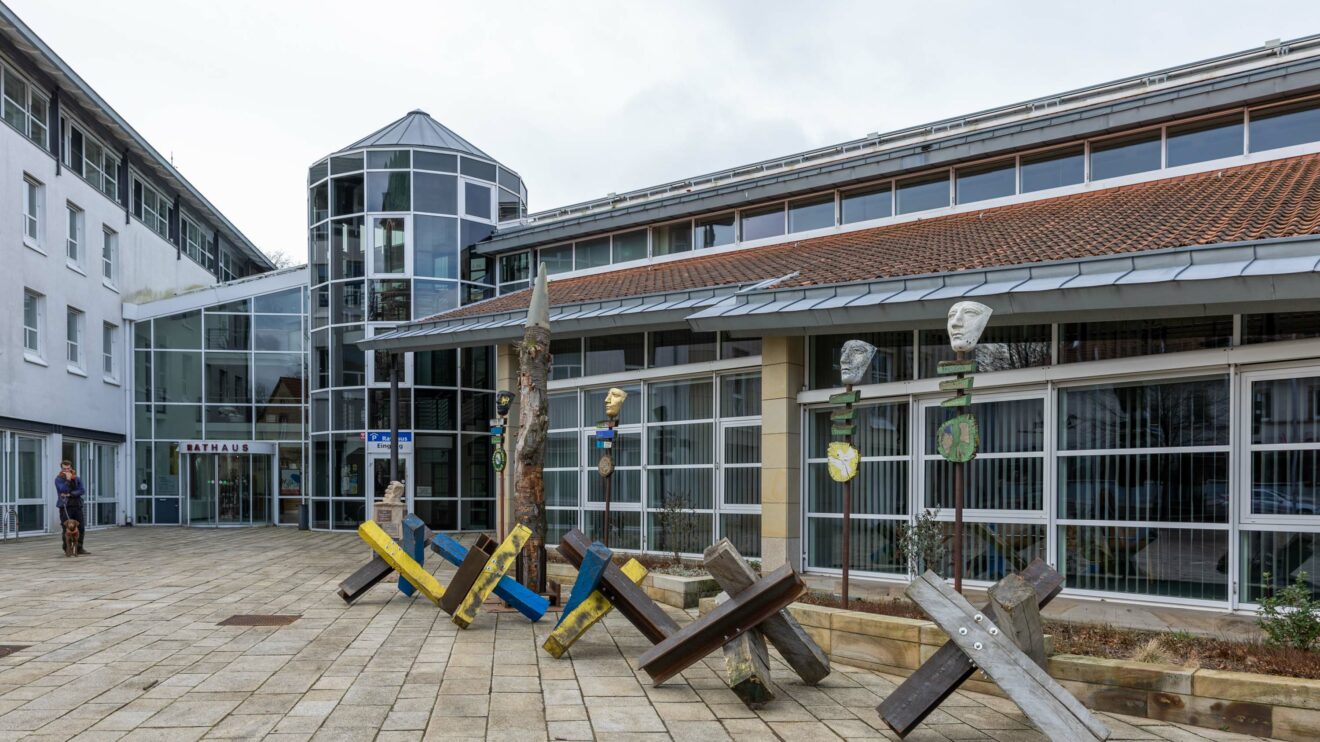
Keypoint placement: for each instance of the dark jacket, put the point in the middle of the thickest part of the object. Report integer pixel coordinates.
(68, 488)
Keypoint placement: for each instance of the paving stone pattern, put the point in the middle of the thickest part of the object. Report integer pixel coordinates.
(125, 645)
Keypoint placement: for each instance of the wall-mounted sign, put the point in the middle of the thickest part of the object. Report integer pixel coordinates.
(231, 447)
(378, 441)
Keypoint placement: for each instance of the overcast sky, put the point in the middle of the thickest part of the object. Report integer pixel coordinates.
(583, 99)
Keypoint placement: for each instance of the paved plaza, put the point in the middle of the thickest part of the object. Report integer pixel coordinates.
(125, 644)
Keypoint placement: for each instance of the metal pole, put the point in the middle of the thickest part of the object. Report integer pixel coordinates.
(959, 470)
(394, 417)
(606, 485)
(847, 517)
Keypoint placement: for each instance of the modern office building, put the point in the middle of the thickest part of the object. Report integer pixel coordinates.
(95, 220)
(1148, 392)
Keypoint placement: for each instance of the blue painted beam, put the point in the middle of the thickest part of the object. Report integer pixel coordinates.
(528, 603)
(594, 562)
(414, 545)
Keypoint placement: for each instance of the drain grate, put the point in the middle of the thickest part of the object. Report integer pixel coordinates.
(8, 649)
(258, 619)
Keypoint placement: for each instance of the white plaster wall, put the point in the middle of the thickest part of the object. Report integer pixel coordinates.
(147, 263)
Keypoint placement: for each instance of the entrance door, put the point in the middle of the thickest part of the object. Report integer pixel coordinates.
(229, 489)
(201, 490)
(233, 490)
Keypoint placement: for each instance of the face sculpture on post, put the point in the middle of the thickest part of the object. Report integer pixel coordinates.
(854, 359)
(967, 319)
(614, 402)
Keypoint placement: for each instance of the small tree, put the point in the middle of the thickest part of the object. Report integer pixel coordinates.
(921, 544)
(1291, 616)
(677, 524)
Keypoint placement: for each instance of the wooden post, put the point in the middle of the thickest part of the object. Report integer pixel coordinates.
(1051, 708)
(389, 550)
(847, 516)
(573, 625)
(367, 576)
(799, 650)
(509, 590)
(529, 456)
(1017, 615)
(588, 578)
(490, 576)
(748, 664)
(622, 591)
(959, 472)
(414, 543)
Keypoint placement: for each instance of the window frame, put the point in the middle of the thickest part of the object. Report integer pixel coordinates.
(75, 337)
(33, 213)
(75, 242)
(37, 351)
(110, 353)
(109, 257)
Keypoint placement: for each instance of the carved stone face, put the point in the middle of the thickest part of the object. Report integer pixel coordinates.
(614, 401)
(967, 319)
(854, 359)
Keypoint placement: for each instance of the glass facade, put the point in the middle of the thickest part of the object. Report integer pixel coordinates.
(235, 371)
(395, 243)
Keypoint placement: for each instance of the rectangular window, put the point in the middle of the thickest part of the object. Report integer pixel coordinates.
(924, 193)
(715, 231)
(33, 309)
(892, 361)
(979, 183)
(476, 200)
(23, 107)
(868, 204)
(566, 358)
(151, 208)
(1001, 347)
(1097, 341)
(226, 272)
(676, 347)
(811, 213)
(87, 157)
(592, 253)
(33, 194)
(515, 271)
(196, 245)
(1203, 140)
(1271, 328)
(760, 223)
(109, 351)
(670, 239)
(612, 354)
(1125, 155)
(557, 259)
(1285, 126)
(73, 337)
(1053, 169)
(629, 246)
(73, 245)
(388, 245)
(109, 254)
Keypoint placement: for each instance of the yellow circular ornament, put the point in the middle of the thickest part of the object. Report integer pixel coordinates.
(843, 460)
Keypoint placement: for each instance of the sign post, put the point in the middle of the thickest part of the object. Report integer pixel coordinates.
(498, 458)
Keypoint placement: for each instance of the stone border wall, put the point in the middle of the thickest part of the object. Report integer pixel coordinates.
(672, 590)
(1250, 703)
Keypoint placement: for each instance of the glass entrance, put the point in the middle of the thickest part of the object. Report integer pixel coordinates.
(229, 489)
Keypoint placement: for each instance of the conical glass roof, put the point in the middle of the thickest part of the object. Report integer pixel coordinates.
(418, 129)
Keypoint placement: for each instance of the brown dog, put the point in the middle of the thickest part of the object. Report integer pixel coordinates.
(70, 537)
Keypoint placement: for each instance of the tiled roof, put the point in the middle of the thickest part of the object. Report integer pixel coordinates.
(1280, 198)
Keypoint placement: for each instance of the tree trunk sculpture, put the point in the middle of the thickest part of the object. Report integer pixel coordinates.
(529, 457)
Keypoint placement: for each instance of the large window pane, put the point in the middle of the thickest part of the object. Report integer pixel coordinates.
(740, 395)
(278, 378)
(682, 489)
(681, 530)
(346, 258)
(1173, 488)
(811, 213)
(388, 245)
(1144, 415)
(1169, 562)
(434, 297)
(178, 422)
(1270, 328)
(1283, 556)
(671, 238)
(389, 301)
(924, 193)
(873, 543)
(435, 246)
(178, 377)
(677, 347)
(760, 223)
(992, 550)
(629, 246)
(716, 231)
(277, 332)
(592, 253)
(1203, 140)
(1285, 126)
(1098, 341)
(864, 205)
(350, 361)
(179, 331)
(680, 400)
(593, 406)
(881, 430)
(1001, 347)
(566, 358)
(558, 259)
(681, 445)
(227, 332)
(389, 192)
(1126, 155)
(476, 200)
(892, 362)
(435, 194)
(347, 195)
(227, 422)
(612, 354)
(228, 378)
(1053, 169)
(986, 181)
(349, 302)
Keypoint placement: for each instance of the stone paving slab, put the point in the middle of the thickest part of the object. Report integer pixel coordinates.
(125, 646)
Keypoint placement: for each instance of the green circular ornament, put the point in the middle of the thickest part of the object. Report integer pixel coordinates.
(498, 459)
(958, 438)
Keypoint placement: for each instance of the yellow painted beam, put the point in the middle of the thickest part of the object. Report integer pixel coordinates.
(394, 555)
(593, 609)
(495, 568)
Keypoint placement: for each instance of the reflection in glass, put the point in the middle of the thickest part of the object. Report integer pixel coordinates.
(924, 193)
(1053, 169)
(867, 204)
(670, 239)
(986, 181)
(811, 213)
(1001, 347)
(1152, 561)
(613, 354)
(228, 378)
(628, 246)
(759, 223)
(1270, 328)
(689, 399)
(347, 195)
(715, 231)
(1283, 556)
(874, 545)
(476, 200)
(346, 248)
(1144, 415)
(1203, 140)
(892, 362)
(435, 194)
(992, 550)
(1098, 341)
(389, 301)
(1285, 126)
(592, 253)
(1170, 487)
(227, 332)
(677, 347)
(566, 358)
(389, 192)
(435, 246)
(388, 244)
(1125, 156)
(740, 395)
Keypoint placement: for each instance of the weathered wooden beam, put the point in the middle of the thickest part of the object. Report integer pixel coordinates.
(1017, 616)
(741, 613)
(598, 556)
(468, 572)
(635, 605)
(592, 610)
(799, 650)
(491, 573)
(938, 677)
(955, 367)
(1051, 708)
(843, 398)
(956, 384)
(414, 545)
(525, 601)
(392, 553)
(748, 664)
(366, 577)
